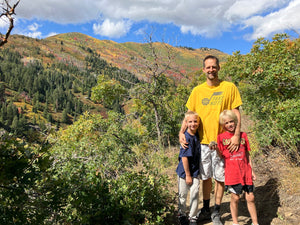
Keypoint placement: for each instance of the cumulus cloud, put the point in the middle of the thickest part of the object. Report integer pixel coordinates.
(244, 9)
(51, 34)
(279, 21)
(33, 31)
(201, 17)
(59, 11)
(4, 23)
(112, 29)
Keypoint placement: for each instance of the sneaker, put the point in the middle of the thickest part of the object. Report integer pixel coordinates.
(216, 219)
(183, 220)
(203, 215)
(193, 221)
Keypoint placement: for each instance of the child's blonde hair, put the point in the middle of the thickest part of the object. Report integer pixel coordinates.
(227, 114)
(190, 113)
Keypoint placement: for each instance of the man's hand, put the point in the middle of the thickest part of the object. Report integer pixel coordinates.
(189, 180)
(182, 140)
(234, 144)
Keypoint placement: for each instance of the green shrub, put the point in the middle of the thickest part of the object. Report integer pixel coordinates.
(269, 82)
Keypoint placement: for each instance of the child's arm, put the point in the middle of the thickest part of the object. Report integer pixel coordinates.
(188, 177)
(250, 162)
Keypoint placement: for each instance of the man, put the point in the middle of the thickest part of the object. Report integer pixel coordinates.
(209, 100)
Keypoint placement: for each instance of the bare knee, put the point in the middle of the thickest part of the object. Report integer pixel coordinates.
(250, 197)
(235, 198)
(220, 184)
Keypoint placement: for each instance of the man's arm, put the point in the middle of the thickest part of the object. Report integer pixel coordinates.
(235, 140)
(188, 177)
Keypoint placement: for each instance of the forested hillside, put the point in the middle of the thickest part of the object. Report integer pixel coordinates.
(50, 80)
(87, 125)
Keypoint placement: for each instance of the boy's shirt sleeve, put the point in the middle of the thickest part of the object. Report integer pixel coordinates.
(221, 146)
(247, 144)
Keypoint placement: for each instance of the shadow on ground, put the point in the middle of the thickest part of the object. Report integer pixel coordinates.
(267, 203)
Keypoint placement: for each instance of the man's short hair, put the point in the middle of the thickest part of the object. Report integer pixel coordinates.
(211, 57)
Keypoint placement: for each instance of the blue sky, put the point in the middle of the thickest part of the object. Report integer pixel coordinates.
(227, 25)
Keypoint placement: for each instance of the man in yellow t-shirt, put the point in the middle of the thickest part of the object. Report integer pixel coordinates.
(209, 100)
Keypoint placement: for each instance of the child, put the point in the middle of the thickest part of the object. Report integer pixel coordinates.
(188, 170)
(238, 167)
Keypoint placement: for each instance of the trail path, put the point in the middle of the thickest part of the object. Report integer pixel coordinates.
(275, 205)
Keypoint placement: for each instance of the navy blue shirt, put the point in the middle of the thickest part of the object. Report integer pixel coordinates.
(193, 154)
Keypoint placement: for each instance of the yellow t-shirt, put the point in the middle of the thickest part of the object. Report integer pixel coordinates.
(209, 102)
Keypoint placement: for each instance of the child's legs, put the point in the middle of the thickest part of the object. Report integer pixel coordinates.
(194, 197)
(251, 207)
(183, 189)
(234, 205)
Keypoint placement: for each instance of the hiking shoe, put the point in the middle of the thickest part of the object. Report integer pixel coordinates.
(193, 221)
(203, 215)
(183, 220)
(216, 219)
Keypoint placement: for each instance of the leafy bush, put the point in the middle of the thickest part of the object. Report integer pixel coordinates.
(93, 180)
(21, 170)
(268, 78)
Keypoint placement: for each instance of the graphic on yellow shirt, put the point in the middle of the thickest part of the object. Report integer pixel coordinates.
(206, 101)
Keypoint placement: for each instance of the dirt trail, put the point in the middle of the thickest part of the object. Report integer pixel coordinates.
(274, 206)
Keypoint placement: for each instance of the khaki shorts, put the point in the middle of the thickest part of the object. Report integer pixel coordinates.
(211, 165)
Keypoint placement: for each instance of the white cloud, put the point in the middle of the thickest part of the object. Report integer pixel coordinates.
(51, 34)
(141, 31)
(59, 11)
(33, 27)
(36, 34)
(243, 9)
(112, 29)
(201, 17)
(280, 21)
(4, 22)
(33, 31)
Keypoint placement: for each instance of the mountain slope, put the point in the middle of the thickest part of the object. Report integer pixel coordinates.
(72, 48)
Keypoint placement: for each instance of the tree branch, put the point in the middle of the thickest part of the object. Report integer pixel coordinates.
(8, 12)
